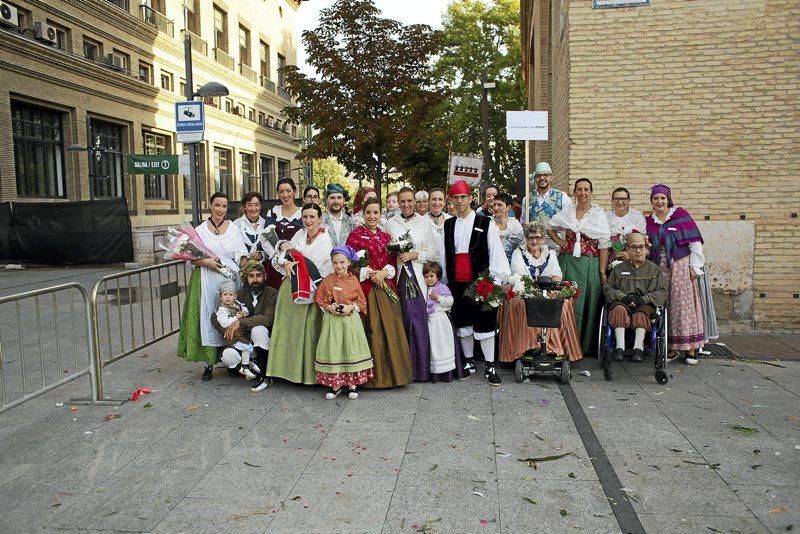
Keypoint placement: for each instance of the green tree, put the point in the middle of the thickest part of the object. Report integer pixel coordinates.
(328, 171)
(481, 39)
(371, 95)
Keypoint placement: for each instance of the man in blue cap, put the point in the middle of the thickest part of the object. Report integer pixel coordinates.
(545, 201)
(336, 221)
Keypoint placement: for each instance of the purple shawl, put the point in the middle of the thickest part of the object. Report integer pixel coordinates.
(443, 290)
(674, 236)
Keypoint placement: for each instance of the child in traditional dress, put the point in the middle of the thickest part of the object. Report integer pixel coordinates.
(343, 355)
(229, 311)
(440, 329)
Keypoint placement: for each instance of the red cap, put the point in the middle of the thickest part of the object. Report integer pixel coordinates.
(459, 188)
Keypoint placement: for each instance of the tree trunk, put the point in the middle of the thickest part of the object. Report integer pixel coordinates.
(378, 176)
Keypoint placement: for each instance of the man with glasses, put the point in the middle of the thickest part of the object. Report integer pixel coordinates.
(545, 201)
(635, 288)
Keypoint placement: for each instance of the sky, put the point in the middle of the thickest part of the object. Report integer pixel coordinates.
(406, 11)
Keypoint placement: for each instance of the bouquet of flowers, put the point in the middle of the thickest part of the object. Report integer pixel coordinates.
(484, 290)
(363, 262)
(269, 240)
(523, 286)
(405, 244)
(185, 244)
(569, 290)
(618, 242)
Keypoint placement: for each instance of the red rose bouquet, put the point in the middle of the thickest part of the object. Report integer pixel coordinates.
(485, 291)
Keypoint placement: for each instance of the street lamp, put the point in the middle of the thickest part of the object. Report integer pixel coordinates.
(486, 85)
(211, 89)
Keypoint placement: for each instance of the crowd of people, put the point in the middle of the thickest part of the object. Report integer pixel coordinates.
(378, 298)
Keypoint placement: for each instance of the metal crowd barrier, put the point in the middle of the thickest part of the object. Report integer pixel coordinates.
(32, 361)
(134, 309)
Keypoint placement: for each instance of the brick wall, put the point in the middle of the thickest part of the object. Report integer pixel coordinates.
(776, 276)
(560, 91)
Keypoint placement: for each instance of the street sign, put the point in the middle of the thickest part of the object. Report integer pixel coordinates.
(190, 121)
(526, 125)
(160, 164)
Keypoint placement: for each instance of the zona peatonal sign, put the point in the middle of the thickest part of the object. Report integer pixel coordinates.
(161, 164)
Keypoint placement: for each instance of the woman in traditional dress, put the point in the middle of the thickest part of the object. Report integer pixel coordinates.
(622, 220)
(250, 225)
(295, 332)
(510, 228)
(198, 341)
(677, 247)
(584, 256)
(384, 322)
(534, 259)
(286, 218)
(362, 195)
(436, 202)
(410, 284)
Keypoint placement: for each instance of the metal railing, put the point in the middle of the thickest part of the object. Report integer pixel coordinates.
(224, 59)
(248, 73)
(32, 362)
(154, 18)
(134, 309)
(267, 84)
(198, 44)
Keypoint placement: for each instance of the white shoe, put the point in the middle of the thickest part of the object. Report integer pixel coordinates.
(333, 393)
(253, 367)
(690, 360)
(247, 372)
(260, 385)
(352, 394)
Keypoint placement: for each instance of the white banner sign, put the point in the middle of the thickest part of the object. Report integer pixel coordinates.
(526, 125)
(465, 167)
(599, 4)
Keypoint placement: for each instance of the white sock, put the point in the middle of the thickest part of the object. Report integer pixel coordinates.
(638, 342)
(487, 347)
(245, 357)
(619, 333)
(467, 346)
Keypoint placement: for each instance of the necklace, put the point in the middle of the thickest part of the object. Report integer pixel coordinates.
(215, 225)
(310, 238)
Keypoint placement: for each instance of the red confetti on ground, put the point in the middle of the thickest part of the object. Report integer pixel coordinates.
(138, 392)
(484, 522)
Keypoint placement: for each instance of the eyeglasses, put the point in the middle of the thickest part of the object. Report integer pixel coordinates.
(621, 199)
(534, 237)
(637, 247)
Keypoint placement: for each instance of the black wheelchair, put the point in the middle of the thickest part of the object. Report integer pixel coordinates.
(543, 313)
(655, 345)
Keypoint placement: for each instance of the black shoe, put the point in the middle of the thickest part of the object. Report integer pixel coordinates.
(617, 355)
(637, 356)
(262, 382)
(207, 373)
(469, 366)
(491, 376)
(233, 372)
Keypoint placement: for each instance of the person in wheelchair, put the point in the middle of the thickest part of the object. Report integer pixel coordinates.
(636, 287)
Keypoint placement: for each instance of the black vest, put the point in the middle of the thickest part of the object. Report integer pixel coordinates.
(478, 245)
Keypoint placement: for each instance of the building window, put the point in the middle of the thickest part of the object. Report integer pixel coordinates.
(146, 72)
(167, 81)
(264, 55)
(244, 45)
(222, 171)
(212, 101)
(201, 173)
(262, 118)
(193, 15)
(63, 37)
(119, 61)
(281, 75)
(24, 19)
(220, 29)
(268, 176)
(155, 185)
(92, 50)
(38, 150)
(228, 105)
(182, 85)
(250, 181)
(105, 160)
(284, 169)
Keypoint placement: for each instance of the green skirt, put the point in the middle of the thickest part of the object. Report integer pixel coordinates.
(190, 346)
(343, 346)
(295, 334)
(586, 272)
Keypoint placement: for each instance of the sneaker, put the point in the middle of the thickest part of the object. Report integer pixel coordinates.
(233, 372)
(617, 355)
(332, 393)
(690, 360)
(491, 376)
(470, 366)
(353, 393)
(261, 384)
(207, 373)
(253, 367)
(637, 356)
(672, 355)
(247, 372)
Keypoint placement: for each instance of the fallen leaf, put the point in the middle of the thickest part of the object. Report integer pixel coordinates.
(778, 510)
(562, 512)
(533, 462)
(473, 418)
(503, 454)
(528, 499)
(571, 475)
(111, 417)
(251, 465)
(73, 408)
(478, 493)
(296, 498)
(148, 405)
(435, 467)
(744, 430)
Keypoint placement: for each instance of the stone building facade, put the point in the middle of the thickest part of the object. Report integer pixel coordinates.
(106, 74)
(699, 94)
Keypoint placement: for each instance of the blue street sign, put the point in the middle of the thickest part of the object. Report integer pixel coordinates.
(190, 117)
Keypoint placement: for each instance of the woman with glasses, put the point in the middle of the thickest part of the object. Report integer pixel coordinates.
(534, 259)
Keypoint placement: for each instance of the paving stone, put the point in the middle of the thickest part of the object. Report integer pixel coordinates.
(190, 446)
(778, 508)
(692, 524)
(211, 516)
(359, 452)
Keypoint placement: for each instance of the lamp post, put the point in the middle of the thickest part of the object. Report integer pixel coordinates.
(486, 85)
(211, 89)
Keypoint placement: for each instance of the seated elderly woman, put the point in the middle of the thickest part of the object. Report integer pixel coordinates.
(635, 288)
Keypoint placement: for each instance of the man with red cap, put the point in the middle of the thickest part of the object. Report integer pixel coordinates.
(470, 245)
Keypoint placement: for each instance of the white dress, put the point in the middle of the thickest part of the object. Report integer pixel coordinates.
(521, 259)
(440, 330)
(251, 234)
(625, 224)
(424, 236)
(229, 248)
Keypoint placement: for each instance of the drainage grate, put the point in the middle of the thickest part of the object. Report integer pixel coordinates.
(721, 351)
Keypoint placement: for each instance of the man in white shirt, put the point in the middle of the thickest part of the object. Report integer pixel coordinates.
(337, 222)
(470, 245)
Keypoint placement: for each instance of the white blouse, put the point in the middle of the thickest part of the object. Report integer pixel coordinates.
(521, 254)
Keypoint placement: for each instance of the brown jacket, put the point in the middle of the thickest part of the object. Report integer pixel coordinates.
(262, 314)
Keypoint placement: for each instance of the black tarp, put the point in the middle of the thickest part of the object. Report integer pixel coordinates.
(5, 230)
(68, 233)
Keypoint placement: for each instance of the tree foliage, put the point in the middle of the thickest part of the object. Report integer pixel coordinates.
(481, 38)
(371, 96)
